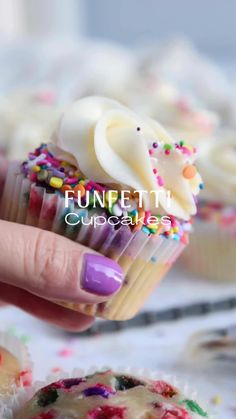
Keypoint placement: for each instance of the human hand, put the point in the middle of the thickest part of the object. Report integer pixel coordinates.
(37, 266)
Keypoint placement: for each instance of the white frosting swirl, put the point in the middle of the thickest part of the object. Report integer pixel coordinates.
(100, 136)
(217, 163)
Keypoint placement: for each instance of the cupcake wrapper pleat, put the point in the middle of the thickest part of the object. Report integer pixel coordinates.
(212, 251)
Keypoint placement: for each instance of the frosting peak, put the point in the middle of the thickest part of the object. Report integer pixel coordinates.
(113, 145)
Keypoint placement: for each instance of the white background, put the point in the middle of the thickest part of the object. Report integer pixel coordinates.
(210, 24)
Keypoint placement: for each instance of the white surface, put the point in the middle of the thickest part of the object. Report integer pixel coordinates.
(179, 288)
(160, 347)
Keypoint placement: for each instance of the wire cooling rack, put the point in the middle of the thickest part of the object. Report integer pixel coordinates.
(148, 318)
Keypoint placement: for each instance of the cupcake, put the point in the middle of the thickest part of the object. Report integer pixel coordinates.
(184, 117)
(110, 395)
(15, 365)
(180, 63)
(117, 183)
(102, 68)
(27, 117)
(212, 249)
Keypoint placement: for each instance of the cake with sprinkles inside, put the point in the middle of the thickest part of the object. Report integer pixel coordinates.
(116, 182)
(109, 395)
(15, 366)
(10, 370)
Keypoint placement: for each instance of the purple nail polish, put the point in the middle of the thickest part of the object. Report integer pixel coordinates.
(101, 275)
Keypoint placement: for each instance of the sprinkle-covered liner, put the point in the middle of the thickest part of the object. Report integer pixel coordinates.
(35, 195)
(189, 401)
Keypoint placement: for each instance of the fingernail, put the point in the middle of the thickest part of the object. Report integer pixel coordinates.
(101, 275)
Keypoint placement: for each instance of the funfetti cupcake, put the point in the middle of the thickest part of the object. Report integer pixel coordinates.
(115, 182)
(212, 249)
(111, 395)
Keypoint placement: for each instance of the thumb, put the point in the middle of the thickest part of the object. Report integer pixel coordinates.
(54, 267)
(3, 169)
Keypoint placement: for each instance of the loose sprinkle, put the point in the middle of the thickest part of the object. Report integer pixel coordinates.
(55, 370)
(217, 400)
(65, 353)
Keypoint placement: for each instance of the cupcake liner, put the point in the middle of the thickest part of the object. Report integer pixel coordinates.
(145, 259)
(20, 351)
(18, 390)
(211, 252)
(22, 397)
(12, 404)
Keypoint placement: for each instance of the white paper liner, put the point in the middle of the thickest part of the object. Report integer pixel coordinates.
(12, 404)
(23, 396)
(145, 259)
(211, 252)
(20, 351)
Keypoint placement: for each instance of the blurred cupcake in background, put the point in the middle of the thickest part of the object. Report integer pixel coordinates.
(212, 249)
(103, 148)
(104, 69)
(182, 115)
(193, 73)
(26, 118)
(122, 74)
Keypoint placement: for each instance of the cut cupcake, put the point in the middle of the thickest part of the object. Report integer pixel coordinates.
(110, 395)
(117, 183)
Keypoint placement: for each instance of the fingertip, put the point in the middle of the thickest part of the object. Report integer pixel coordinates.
(79, 323)
(100, 275)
